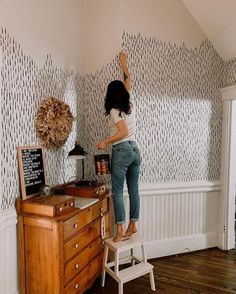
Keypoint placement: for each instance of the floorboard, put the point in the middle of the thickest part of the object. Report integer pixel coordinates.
(210, 271)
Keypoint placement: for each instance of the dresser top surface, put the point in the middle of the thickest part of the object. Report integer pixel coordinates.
(55, 199)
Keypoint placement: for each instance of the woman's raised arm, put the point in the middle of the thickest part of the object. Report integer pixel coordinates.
(123, 64)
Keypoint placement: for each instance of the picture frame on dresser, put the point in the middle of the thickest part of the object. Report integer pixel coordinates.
(31, 170)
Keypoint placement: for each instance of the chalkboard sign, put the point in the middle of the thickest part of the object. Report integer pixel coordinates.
(31, 170)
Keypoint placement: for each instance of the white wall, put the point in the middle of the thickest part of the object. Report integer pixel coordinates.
(102, 31)
(167, 20)
(217, 19)
(0, 126)
(105, 20)
(43, 27)
(86, 34)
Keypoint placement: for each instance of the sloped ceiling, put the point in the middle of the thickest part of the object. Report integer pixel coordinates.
(217, 18)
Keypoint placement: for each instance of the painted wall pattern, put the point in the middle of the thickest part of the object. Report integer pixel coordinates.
(24, 85)
(177, 99)
(179, 110)
(229, 76)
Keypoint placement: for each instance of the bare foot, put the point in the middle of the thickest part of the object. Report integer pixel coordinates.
(118, 238)
(130, 232)
(132, 229)
(119, 233)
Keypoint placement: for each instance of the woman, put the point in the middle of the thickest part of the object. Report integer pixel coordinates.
(125, 153)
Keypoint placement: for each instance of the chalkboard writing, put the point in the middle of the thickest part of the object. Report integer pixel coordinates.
(31, 170)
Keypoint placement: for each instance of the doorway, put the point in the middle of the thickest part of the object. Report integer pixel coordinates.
(227, 212)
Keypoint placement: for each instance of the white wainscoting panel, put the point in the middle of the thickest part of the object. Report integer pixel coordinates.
(8, 252)
(176, 218)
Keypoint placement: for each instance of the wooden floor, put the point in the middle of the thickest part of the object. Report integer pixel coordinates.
(208, 271)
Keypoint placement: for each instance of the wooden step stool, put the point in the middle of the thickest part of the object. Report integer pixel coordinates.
(135, 270)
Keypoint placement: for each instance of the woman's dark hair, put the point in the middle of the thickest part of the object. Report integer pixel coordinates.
(117, 97)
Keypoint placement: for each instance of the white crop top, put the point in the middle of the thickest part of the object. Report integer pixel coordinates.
(130, 123)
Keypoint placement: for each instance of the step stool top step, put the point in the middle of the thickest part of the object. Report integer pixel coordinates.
(134, 272)
(132, 242)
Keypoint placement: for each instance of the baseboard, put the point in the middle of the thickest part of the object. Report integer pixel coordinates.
(160, 248)
(221, 241)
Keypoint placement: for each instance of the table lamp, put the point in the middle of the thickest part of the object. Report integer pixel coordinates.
(79, 153)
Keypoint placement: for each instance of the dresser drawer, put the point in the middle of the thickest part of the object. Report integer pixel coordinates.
(82, 219)
(83, 279)
(80, 241)
(77, 263)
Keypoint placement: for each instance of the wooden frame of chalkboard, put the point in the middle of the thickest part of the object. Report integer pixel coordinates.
(31, 170)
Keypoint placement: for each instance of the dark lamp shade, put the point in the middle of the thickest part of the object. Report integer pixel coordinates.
(78, 152)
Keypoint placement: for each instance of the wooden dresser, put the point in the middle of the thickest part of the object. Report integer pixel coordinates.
(61, 253)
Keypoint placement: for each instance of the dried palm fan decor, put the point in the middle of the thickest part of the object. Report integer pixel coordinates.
(53, 122)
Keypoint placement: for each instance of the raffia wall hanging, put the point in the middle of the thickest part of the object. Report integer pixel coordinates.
(53, 122)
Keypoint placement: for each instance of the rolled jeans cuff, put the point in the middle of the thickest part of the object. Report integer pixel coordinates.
(134, 219)
(120, 223)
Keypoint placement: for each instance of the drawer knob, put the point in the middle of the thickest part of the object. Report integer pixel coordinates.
(76, 286)
(72, 204)
(76, 245)
(77, 265)
(75, 225)
(60, 208)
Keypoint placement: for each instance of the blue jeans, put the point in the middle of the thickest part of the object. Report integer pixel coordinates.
(125, 163)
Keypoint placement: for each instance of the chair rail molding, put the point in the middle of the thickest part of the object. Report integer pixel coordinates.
(177, 187)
